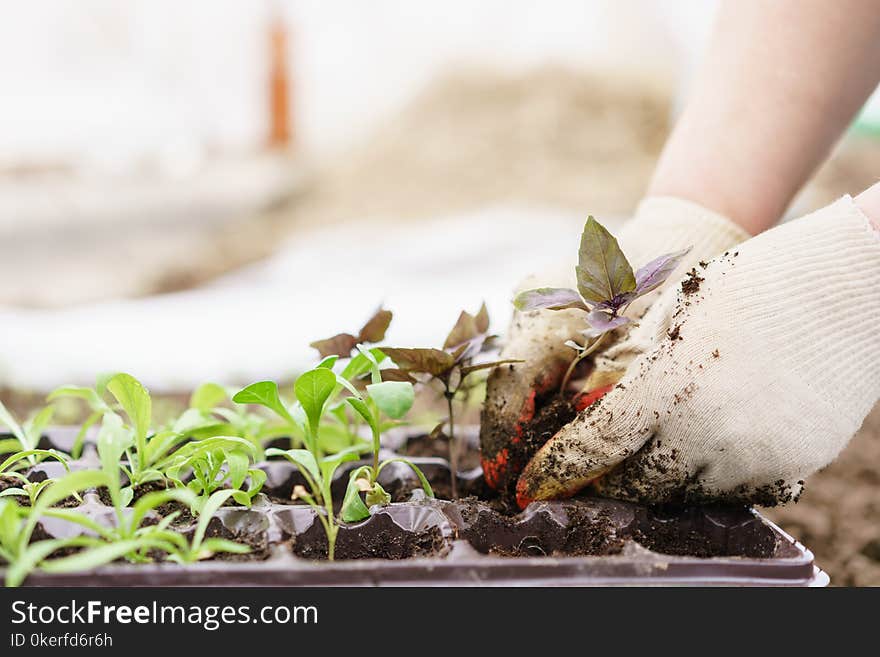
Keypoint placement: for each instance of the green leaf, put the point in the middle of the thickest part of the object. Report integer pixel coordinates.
(207, 396)
(363, 410)
(17, 492)
(14, 427)
(426, 486)
(312, 390)
(155, 499)
(211, 546)
(47, 453)
(91, 397)
(210, 507)
(328, 362)
(394, 398)
(329, 465)
(353, 507)
(237, 462)
(301, 458)
(75, 482)
(257, 479)
(360, 364)
(602, 271)
(98, 556)
(377, 496)
(136, 402)
(35, 553)
(265, 393)
(334, 438)
(112, 441)
(33, 428)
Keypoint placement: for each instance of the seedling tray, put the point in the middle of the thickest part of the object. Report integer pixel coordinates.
(587, 541)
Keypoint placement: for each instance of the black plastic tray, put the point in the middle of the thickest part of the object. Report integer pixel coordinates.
(583, 542)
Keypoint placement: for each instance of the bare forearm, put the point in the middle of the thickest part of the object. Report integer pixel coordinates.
(779, 85)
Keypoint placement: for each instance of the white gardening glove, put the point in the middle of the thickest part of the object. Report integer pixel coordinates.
(661, 225)
(759, 368)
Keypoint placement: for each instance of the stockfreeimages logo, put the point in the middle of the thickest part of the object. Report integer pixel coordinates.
(209, 617)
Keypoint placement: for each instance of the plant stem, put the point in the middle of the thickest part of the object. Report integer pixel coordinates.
(376, 446)
(453, 446)
(583, 354)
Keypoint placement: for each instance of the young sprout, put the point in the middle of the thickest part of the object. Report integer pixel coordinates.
(26, 487)
(208, 416)
(606, 286)
(144, 450)
(313, 390)
(214, 462)
(21, 554)
(392, 399)
(26, 436)
(94, 398)
(451, 366)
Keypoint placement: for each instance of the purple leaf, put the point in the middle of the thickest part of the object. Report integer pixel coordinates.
(601, 322)
(655, 273)
(339, 345)
(550, 298)
(430, 361)
(375, 328)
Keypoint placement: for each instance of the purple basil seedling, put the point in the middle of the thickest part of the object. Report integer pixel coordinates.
(451, 366)
(606, 285)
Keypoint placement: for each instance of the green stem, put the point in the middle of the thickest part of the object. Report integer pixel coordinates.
(453, 447)
(583, 354)
(376, 446)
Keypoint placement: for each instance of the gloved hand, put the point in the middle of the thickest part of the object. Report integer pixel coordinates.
(754, 373)
(661, 225)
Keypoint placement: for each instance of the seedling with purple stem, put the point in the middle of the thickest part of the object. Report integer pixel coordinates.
(451, 366)
(606, 286)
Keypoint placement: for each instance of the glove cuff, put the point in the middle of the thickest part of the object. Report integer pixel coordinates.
(663, 224)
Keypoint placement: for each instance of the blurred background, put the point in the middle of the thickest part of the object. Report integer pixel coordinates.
(193, 191)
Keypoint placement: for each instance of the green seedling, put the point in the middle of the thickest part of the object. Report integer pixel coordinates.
(313, 390)
(199, 547)
(215, 463)
(452, 366)
(207, 417)
(606, 286)
(335, 432)
(394, 400)
(130, 538)
(23, 556)
(27, 488)
(145, 450)
(26, 436)
(94, 398)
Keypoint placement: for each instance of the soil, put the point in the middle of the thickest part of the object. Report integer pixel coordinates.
(492, 529)
(838, 515)
(691, 283)
(553, 413)
(256, 541)
(424, 445)
(378, 537)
